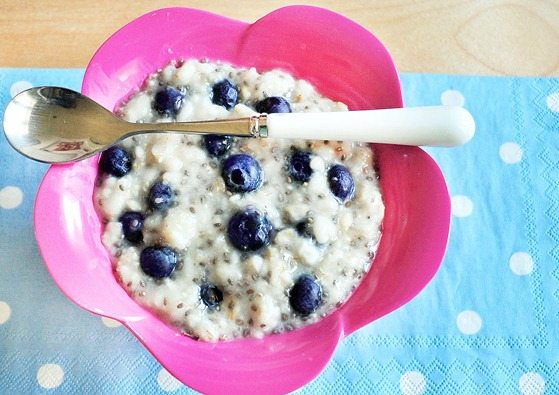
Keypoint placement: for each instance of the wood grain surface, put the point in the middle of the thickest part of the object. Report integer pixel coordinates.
(487, 37)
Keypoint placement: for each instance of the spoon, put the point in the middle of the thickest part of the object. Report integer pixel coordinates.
(58, 125)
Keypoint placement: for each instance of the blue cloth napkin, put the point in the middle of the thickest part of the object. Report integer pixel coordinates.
(487, 324)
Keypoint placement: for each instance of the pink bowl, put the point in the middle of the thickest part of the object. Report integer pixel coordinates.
(345, 62)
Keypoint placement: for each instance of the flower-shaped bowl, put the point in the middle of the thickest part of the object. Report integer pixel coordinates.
(344, 62)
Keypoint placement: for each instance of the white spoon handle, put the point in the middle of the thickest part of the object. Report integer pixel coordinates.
(443, 126)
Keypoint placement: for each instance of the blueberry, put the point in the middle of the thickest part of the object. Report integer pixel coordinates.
(211, 295)
(273, 104)
(241, 173)
(217, 145)
(168, 101)
(116, 161)
(132, 223)
(341, 183)
(249, 230)
(305, 296)
(160, 196)
(158, 262)
(304, 229)
(225, 94)
(300, 166)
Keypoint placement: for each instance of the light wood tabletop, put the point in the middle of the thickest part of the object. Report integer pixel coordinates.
(484, 37)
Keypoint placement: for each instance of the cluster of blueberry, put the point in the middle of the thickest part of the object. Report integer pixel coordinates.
(247, 230)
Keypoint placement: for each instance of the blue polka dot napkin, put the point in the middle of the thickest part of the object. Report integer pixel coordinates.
(487, 324)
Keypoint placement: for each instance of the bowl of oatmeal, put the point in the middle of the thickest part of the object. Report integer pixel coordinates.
(241, 263)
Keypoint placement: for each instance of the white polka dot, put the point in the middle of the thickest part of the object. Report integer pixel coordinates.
(510, 153)
(521, 263)
(10, 197)
(413, 383)
(110, 323)
(531, 383)
(5, 312)
(50, 375)
(19, 86)
(452, 97)
(469, 322)
(167, 382)
(552, 102)
(462, 206)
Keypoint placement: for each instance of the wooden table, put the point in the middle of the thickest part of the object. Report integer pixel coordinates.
(487, 37)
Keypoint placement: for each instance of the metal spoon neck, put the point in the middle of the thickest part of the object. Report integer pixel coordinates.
(253, 126)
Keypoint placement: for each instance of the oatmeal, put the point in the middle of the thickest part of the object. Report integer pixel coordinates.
(228, 237)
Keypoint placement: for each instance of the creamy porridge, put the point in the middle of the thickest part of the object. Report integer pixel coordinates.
(229, 237)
